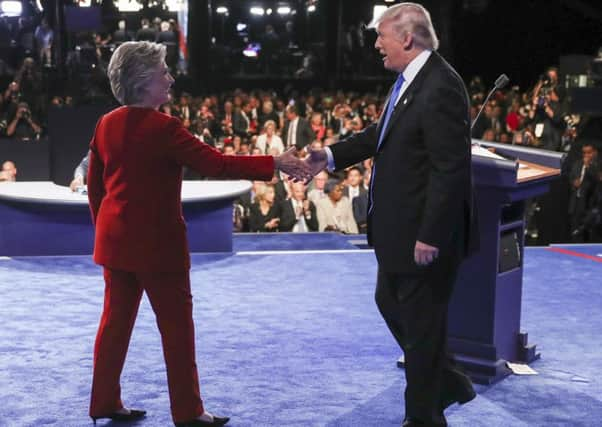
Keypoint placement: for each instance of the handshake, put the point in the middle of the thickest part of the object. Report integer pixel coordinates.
(301, 170)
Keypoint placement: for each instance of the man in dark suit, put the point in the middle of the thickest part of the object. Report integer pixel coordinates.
(298, 214)
(297, 130)
(420, 216)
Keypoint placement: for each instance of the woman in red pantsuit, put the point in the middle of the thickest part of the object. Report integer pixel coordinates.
(134, 187)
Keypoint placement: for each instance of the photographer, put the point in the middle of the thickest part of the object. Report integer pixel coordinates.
(545, 115)
(22, 125)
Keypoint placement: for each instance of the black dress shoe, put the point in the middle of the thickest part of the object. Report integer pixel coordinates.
(217, 421)
(412, 422)
(461, 392)
(135, 414)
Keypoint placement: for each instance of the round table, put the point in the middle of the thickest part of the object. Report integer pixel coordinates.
(42, 218)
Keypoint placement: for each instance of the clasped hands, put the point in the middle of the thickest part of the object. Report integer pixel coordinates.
(301, 170)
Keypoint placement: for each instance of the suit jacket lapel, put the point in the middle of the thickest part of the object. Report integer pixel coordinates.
(408, 96)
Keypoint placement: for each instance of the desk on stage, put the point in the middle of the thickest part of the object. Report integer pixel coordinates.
(42, 218)
(484, 328)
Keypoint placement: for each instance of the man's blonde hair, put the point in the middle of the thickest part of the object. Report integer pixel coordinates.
(410, 18)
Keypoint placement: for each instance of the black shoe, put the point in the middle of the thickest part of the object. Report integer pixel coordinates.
(460, 391)
(217, 421)
(135, 414)
(412, 422)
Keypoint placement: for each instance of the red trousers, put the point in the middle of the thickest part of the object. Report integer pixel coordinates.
(171, 300)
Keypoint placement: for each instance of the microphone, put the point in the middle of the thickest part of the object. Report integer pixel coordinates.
(500, 82)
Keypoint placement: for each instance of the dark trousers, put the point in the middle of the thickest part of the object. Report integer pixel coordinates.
(171, 300)
(415, 310)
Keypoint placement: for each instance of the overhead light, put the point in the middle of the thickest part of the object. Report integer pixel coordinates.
(378, 10)
(268, 11)
(11, 8)
(389, 1)
(311, 8)
(85, 3)
(39, 5)
(283, 10)
(241, 27)
(222, 10)
(257, 11)
(128, 5)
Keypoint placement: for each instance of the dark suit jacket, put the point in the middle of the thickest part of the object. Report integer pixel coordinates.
(288, 218)
(305, 134)
(134, 187)
(257, 220)
(422, 178)
(240, 124)
(360, 211)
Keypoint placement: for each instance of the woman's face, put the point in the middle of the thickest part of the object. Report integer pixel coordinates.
(336, 193)
(158, 87)
(269, 195)
(269, 129)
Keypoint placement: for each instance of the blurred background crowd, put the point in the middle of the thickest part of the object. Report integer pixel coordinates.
(281, 100)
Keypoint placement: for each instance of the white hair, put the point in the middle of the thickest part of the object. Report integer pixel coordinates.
(410, 18)
(131, 67)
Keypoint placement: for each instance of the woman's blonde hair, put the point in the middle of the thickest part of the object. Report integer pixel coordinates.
(261, 191)
(131, 67)
(269, 122)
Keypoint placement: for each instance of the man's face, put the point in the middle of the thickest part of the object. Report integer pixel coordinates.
(354, 178)
(298, 191)
(391, 47)
(589, 153)
(10, 169)
(320, 180)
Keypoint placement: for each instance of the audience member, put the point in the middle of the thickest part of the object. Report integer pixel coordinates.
(297, 130)
(268, 139)
(298, 214)
(264, 214)
(8, 172)
(335, 212)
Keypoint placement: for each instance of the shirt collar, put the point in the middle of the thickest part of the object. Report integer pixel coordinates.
(414, 67)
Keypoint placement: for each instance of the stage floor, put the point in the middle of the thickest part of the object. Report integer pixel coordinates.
(288, 334)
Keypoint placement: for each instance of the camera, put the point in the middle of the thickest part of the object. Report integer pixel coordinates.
(545, 81)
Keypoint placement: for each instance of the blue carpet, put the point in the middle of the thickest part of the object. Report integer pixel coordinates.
(292, 241)
(286, 340)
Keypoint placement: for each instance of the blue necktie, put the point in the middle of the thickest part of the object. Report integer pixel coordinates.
(390, 107)
(388, 113)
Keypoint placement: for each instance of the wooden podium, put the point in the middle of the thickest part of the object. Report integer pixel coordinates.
(484, 312)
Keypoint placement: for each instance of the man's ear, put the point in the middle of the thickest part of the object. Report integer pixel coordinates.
(408, 41)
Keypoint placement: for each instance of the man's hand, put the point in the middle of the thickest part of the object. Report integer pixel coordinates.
(425, 254)
(290, 164)
(317, 161)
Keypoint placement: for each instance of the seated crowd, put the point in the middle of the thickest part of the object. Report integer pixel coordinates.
(263, 122)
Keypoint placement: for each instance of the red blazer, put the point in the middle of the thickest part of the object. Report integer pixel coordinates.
(134, 187)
